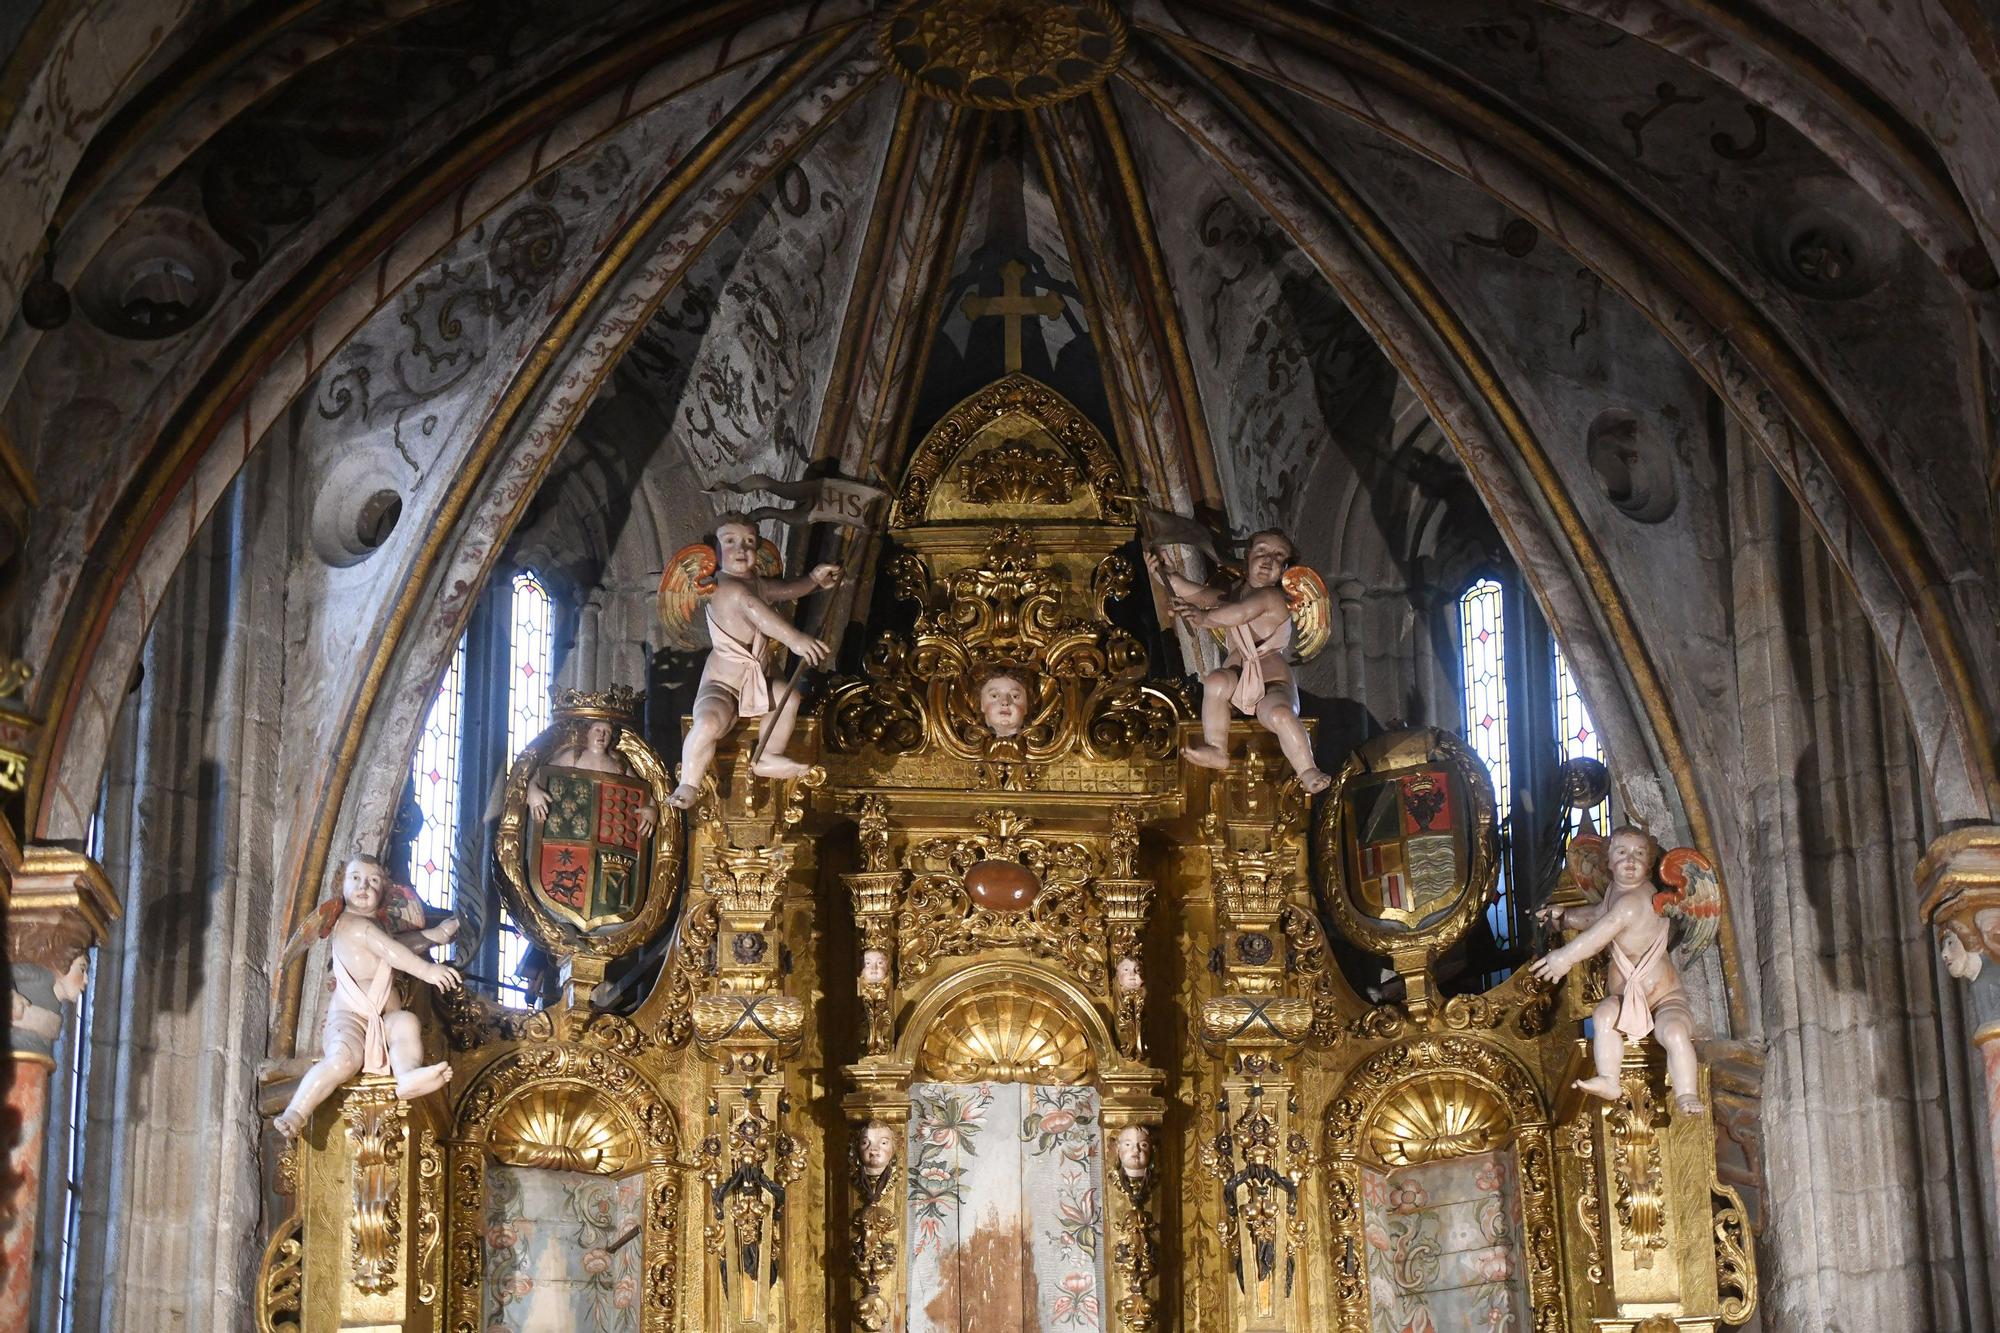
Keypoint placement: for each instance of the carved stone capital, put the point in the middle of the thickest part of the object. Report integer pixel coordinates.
(1959, 878)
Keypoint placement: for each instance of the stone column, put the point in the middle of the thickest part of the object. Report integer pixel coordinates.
(1959, 879)
(58, 903)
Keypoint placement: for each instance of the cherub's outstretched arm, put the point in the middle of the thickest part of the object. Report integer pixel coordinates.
(787, 590)
(1182, 587)
(405, 959)
(1592, 941)
(1238, 611)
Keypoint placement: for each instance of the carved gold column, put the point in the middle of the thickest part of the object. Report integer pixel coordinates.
(367, 1183)
(1256, 1146)
(748, 1028)
(58, 904)
(880, 1101)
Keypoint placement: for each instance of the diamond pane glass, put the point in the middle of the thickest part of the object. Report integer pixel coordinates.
(1483, 655)
(434, 774)
(531, 650)
(530, 675)
(1576, 736)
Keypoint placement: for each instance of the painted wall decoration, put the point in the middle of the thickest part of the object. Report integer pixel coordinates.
(550, 1264)
(1006, 1221)
(1444, 1248)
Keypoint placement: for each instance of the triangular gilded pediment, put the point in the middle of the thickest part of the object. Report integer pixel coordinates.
(1013, 451)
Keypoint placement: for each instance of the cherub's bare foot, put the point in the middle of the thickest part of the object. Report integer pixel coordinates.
(1688, 1104)
(684, 797)
(779, 766)
(1314, 781)
(1206, 756)
(1603, 1086)
(420, 1081)
(290, 1123)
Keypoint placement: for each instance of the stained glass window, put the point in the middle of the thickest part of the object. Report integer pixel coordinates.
(434, 774)
(1576, 737)
(1483, 656)
(529, 653)
(530, 673)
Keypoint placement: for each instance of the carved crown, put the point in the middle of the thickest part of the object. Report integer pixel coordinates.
(618, 704)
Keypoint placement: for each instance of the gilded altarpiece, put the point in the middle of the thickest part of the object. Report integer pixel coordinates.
(999, 911)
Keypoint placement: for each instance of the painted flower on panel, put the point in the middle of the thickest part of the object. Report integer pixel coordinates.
(943, 1120)
(1406, 1196)
(1078, 1303)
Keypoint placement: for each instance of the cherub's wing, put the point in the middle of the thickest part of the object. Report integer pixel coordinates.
(685, 584)
(1693, 898)
(402, 910)
(770, 562)
(316, 927)
(1312, 611)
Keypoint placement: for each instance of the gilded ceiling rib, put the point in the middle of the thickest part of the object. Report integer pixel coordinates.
(736, 135)
(1155, 294)
(1137, 391)
(1591, 193)
(862, 309)
(1297, 161)
(953, 198)
(181, 444)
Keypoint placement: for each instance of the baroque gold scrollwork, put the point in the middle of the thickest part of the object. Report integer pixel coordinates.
(1087, 695)
(375, 1119)
(939, 919)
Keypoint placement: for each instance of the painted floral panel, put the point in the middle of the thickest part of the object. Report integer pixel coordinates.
(550, 1267)
(1006, 1219)
(1444, 1249)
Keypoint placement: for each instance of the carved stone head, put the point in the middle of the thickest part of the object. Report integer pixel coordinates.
(878, 1147)
(1134, 1148)
(1963, 963)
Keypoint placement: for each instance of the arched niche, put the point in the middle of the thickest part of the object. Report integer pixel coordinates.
(573, 1123)
(1429, 1127)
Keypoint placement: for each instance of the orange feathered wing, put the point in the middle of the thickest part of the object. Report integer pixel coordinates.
(1692, 899)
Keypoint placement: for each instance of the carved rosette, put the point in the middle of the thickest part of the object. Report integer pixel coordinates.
(1003, 54)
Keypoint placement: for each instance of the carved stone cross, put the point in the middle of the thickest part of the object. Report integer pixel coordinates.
(1012, 305)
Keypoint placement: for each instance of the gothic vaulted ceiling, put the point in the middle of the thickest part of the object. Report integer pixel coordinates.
(1425, 283)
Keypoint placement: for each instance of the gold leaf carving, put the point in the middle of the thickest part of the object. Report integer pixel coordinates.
(1006, 1034)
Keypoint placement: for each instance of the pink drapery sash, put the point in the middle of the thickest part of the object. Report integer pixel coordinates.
(369, 1005)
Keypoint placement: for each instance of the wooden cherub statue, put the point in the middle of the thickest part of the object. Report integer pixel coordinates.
(741, 619)
(367, 1029)
(589, 749)
(1256, 619)
(1643, 991)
